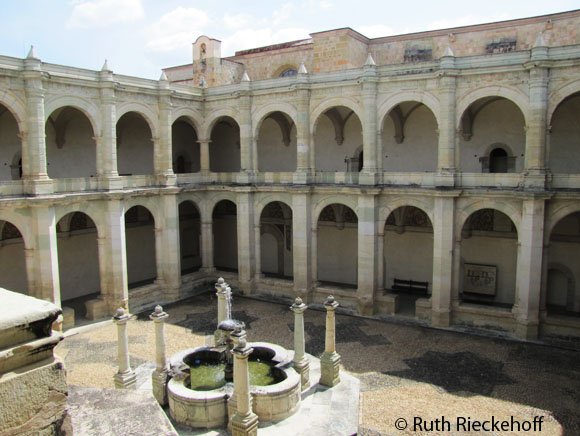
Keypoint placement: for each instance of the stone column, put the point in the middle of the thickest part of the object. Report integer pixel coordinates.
(529, 268)
(112, 261)
(301, 362)
(301, 243)
(248, 150)
(367, 252)
(204, 156)
(207, 246)
(314, 255)
(107, 147)
(443, 231)
(258, 248)
(34, 174)
(303, 164)
(245, 421)
(125, 377)
(163, 156)
(159, 375)
(368, 176)
(380, 260)
(167, 247)
(330, 359)
(246, 239)
(535, 155)
(43, 258)
(447, 123)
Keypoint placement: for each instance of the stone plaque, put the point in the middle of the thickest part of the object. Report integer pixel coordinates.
(479, 279)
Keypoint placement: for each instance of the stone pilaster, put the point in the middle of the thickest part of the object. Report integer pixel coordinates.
(330, 359)
(163, 150)
(367, 253)
(303, 164)
(244, 422)
(529, 268)
(44, 256)
(368, 176)
(167, 247)
(248, 152)
(447, 136)
(246, 239)
(125, 377)
(159, 376)
(204, 156)
(258, 249)
(207, 246)
(301, 362)
(34, 173)
(301, 243)
(443, 233)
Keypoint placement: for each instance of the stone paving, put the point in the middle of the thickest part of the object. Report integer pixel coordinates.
(406, 372)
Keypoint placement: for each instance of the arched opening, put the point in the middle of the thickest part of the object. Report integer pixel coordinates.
(492, 120)
(12, 259)
(134, 145)
(277, 143)
(224, 149)
(289, 72)
(489, 252)
(498, 161)
(70, 146)
(225, 236)
(78, 261)
(140, 247)
(10, 146)
(564, 145)
(189, 237)
(185, 147)
(337, 246)
(563, 292)
(409, 138)
(337, 137)
(408, 256)
(276, 240)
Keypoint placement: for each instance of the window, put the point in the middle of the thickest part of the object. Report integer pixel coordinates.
(289, 72)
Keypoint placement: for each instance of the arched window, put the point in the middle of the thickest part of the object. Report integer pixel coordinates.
(289, 72)
(498, 161)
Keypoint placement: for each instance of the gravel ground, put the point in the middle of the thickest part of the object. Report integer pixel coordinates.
(406, 372)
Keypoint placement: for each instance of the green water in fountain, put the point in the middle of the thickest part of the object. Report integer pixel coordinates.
(209, 376)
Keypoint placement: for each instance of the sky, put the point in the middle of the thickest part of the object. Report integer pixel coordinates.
(139, 37)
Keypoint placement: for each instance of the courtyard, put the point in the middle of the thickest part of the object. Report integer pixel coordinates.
(406, 370)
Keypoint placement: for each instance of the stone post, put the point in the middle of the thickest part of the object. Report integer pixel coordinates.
(301, 362)
(167, 249)
(125, 377)
(159, 376)
(330, 359)
(244, 422)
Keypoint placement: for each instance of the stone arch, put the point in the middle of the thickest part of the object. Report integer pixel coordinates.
(22, 227)
(16, 107)
(142, 254)
(557, 96)
(571, 285)
(212, 118)
(391, 102)
(88, 108)
(283, 68)
(279, 237)
(265, 201)
(214, 200)
(191, 115)
(259, 115)
(392, 205)
(147, 203)
(90, 211)
(148, 114)
(325, 105)
(558, 213)
(517, 97)
(333, 199)
(465, 212)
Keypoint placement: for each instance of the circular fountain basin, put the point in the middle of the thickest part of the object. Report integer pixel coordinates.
(199, 397)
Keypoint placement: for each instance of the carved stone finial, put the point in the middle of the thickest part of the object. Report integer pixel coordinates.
(163, 77)
(105, 66)
(119, 312)
(245, 77)
(330, 302)
(540, 41)
(221, 281)
(370, 62)
(158, 309)
(302, 69)
(31, 53)
(448, 52)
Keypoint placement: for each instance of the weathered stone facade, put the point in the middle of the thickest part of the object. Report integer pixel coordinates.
(450, 122)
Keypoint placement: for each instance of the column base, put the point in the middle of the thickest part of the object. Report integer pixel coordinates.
(302, 177)
(246, 177)
(41, 186)
(110, 183)
(330, 369)
(125, 380)
(159, 382)
(535, 179)
(303, 368)
(246, 425)
(168, 179)
(445, 178)
(527, 331)
(441, 318)
(368, 178)
(97, 309)
(365, 306)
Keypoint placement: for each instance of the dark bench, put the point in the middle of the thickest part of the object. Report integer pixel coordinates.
(410, 286)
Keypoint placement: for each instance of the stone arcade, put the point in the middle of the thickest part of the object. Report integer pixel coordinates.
(434, 175)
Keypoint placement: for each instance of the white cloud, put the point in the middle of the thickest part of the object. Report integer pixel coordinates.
(177, 29)
(375, 30)
(466, 20)
(101, 13)
(238, 21)
(251, 38)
